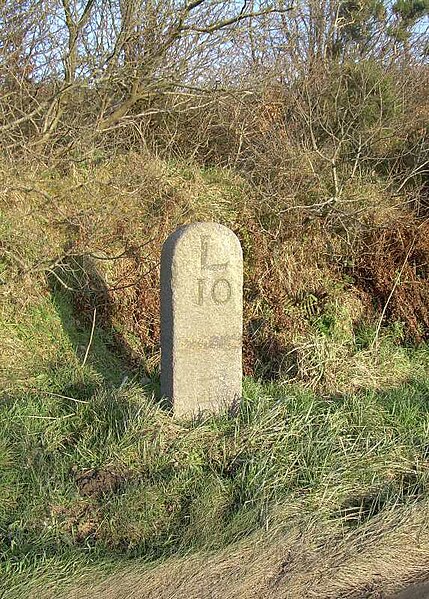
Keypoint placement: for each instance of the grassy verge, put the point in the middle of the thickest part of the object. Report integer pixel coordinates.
(111, 475)
(94, 471)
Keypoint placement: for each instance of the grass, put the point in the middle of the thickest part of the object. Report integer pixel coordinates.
(98, 479)
(157, 487)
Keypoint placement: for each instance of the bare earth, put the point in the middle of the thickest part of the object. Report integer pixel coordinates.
(415, 591)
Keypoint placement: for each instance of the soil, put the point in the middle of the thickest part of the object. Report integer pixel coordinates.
(415, 591)
(96, 482)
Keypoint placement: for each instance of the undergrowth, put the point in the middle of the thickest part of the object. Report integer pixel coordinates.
(321, 296)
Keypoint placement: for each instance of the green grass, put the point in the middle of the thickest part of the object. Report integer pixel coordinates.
(191, 485)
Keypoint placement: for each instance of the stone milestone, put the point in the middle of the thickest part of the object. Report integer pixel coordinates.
(201, 318)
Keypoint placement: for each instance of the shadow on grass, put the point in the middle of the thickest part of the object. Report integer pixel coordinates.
(85, 307)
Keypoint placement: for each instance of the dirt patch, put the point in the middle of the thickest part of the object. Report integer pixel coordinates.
(80, 520)
(414, 591)
(97, 482)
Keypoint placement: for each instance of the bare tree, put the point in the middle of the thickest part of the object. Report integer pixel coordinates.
(110, 60)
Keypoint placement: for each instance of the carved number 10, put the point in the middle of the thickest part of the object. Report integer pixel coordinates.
(220, 291)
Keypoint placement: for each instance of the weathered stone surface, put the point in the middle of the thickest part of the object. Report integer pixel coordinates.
(201, 318)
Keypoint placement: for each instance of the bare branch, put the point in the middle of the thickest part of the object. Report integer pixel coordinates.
(217, 26)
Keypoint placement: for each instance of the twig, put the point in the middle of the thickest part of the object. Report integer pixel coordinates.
(59, 395)
(212, 27)
(59, 279)
(51, 417)
(417, 171)
(90, 338)
(52, 394)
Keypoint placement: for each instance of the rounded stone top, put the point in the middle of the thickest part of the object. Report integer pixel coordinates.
(200, 228)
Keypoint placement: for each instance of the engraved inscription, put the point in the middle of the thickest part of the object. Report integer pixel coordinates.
(221, 291)
(214, 342)
(201, 285)
(205, 256)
